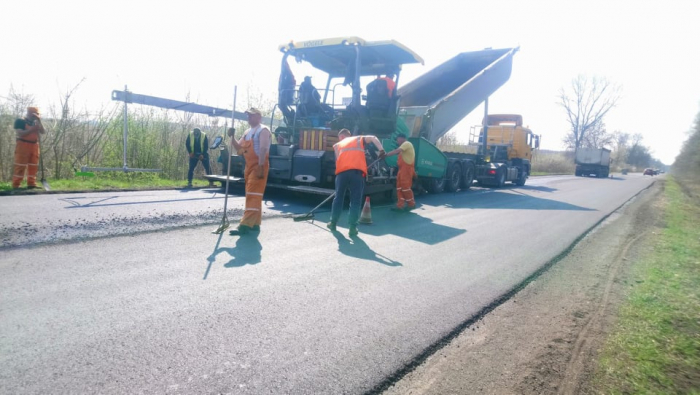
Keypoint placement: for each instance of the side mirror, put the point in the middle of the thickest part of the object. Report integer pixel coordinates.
(217, 142)
(537, 141)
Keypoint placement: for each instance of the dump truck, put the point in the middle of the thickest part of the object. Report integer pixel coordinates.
(424, 109)
(593, 161)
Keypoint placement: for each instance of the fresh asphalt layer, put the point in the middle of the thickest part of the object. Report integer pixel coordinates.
(296, 310)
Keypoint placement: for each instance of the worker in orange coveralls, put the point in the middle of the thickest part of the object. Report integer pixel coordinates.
(404, 179)
(27, 130)
(254, 145)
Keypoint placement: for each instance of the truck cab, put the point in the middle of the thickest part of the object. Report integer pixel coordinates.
(507, 152)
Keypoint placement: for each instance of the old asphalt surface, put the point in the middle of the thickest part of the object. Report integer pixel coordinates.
(130, 293)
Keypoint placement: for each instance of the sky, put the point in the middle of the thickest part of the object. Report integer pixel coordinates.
(205, 48)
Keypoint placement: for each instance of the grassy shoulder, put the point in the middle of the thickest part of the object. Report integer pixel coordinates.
(104, 182)
(655, 345)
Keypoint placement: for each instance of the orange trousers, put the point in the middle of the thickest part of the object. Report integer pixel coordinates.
(26, 160)
(404, 182)
(254, 186)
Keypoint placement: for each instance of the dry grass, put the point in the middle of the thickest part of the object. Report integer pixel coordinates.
(553, 162)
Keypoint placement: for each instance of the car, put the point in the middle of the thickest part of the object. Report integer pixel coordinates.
(649, 172)
(624, 171)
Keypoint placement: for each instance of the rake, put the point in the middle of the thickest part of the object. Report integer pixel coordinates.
(224, 221)
(310, 214)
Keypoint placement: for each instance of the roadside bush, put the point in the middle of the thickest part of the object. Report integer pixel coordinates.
(553, 162)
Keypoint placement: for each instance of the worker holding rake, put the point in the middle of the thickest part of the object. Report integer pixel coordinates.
(254, 145)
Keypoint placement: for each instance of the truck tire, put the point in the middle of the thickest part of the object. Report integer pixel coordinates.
(522, 178)
(468, 177)
(454, 177)
(501, 181)
(435, 185)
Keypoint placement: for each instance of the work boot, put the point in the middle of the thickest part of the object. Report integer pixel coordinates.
(241, 230)
(353, 231)
(189, 185)
(331, 226)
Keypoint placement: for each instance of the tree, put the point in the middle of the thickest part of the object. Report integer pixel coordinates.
(586, 105)
(620, 140)
(598, 137)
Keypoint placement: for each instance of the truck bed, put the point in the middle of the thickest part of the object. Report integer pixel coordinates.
(455, 88)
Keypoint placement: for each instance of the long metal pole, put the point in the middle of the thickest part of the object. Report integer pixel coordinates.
(126, 124)
(485, 122)
(228, 166)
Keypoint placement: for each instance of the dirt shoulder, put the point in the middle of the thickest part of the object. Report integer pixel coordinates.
(545, 339)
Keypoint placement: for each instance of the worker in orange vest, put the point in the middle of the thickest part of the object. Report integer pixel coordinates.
(390, 83)
(254, 145)
(350, 173)
(406, 174)
(27, 131)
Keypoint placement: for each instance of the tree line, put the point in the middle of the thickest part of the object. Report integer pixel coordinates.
(586, 103)
(687, 164)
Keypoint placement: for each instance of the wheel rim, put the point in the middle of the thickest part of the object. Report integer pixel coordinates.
(455, 179)
(469, 179)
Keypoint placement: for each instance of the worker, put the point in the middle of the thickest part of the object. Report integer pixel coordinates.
(254, 145)
(390, 84)
(350, 173)
(27, 131)
(404, 179)
(197, 145)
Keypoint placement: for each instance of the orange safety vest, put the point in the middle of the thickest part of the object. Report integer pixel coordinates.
(350, 155)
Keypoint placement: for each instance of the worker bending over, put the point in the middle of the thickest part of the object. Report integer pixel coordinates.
(404, 179)
(350, 173)
(27, 131)
(197, 145)
(254, 145)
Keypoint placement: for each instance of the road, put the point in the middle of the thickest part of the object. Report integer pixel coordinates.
(298, 310)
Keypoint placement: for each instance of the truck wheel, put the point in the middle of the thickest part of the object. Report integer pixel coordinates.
(522, 178)
(454, 178)
(436, 185)
(501, 179)
(468, 178)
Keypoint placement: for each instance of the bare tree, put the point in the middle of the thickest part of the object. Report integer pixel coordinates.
(598, 137)
(586, 103)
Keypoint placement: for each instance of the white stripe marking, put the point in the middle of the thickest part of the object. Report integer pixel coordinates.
(254, 193)
(252, 209)
(19, 164)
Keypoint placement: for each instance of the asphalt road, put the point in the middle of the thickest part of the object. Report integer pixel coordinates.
(298, 310)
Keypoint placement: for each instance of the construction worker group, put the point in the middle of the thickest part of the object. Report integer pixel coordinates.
(350, 173)
(254, 146)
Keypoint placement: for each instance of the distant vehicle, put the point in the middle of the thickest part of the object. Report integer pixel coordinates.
(593, 161)
(649, 172)
(624, 172)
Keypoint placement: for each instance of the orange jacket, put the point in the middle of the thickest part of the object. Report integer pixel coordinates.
(350, 155)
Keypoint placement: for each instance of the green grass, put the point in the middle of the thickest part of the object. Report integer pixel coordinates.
(104, 181)
(655, 345)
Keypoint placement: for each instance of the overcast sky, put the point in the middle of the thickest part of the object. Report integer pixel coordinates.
(169, 48)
